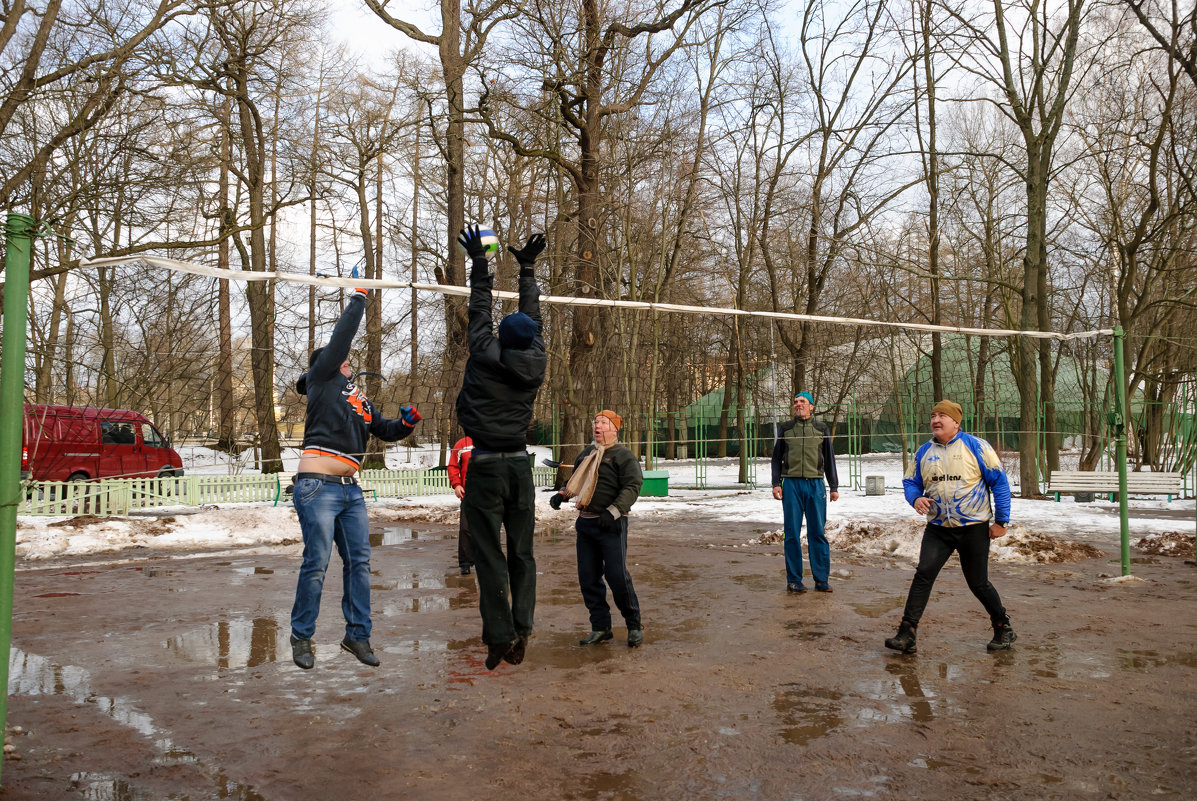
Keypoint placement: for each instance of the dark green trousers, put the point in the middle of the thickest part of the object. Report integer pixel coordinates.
(499, 494)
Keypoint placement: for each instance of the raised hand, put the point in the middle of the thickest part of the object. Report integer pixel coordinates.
(470, 238)
(531, 249)
(409, 415)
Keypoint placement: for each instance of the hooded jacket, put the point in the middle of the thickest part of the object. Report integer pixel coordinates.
(340, 418)
(500, 384)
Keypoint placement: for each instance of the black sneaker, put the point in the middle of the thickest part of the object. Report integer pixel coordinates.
(301, 653)
(362, 650)
(1003, 638)
(905, 640)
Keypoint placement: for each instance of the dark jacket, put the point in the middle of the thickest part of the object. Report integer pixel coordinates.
(340, 418)
(500, 384)
(619, 479)
(826, 457)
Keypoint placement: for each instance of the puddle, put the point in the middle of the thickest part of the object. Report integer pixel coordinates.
(1142, 661)
(155, 572)
(30, 674)
(408, 606)
(879, 607)
(253, 571)
(394, 535)
(907, 675)
(235, 642)
(807, 713)
(1045, 661)
(803, 631)
(756, 583)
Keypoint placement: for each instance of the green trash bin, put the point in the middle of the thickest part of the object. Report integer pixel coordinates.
(656, 483)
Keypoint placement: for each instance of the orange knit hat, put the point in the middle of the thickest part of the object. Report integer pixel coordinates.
(615, 419)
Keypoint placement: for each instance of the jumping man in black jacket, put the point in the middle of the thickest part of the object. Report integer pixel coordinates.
(494, 407)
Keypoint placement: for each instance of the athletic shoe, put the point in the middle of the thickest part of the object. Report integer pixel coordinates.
(822, 587)
(796, 587)
(1003, 638)
(635, 637)
(495, 654)
(904, 640)
(516, 654)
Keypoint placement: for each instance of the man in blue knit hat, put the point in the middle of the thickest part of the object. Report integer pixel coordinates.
(502, 376)
(802, 456)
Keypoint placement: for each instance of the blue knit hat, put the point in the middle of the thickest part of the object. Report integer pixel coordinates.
(517, 331)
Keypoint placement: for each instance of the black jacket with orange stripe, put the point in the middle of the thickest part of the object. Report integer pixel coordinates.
(340, 418)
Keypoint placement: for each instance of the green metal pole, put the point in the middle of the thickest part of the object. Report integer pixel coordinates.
(18, 238)
(1118, 421)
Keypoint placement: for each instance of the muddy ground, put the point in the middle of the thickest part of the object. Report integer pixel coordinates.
(140, 677)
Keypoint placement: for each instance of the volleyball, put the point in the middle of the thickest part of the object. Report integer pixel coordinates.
(489, 240)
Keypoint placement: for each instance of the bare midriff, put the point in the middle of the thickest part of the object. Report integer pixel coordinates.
(329, 465)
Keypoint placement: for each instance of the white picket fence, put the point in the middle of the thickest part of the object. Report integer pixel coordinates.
(118, 496)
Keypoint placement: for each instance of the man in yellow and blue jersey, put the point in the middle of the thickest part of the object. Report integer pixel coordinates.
(950, 481)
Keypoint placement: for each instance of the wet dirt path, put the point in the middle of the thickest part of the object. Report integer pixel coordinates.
(172, 679)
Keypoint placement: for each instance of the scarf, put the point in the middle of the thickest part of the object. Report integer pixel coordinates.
(585, 478)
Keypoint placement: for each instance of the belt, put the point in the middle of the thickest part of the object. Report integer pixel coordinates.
(331, 479)
(481, 456)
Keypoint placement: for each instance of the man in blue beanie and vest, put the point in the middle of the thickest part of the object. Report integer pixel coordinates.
(802, 455)
(502, 376)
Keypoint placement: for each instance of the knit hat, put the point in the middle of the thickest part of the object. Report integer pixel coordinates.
(950, 408)
(615, 419)
(517, 331)
(804, 394)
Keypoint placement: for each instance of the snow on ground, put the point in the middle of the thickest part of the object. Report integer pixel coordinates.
(884, 525)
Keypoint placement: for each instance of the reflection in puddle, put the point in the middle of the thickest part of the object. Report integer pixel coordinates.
(393, 535)
(908, 678)
(253, 571)
(234, 643)
(425, 603)
(30, 674)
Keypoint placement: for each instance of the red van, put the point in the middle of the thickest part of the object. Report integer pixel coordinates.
(76, 443)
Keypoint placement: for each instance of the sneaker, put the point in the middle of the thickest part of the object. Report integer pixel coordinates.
(596, 637)
(1003, 638)
(635, 637)
(465, 570)
(904, 640)
(362, 650)
(301, 653)
(795, 587)
(822, 587)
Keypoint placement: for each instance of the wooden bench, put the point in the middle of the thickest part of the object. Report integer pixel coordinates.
(1107, 482)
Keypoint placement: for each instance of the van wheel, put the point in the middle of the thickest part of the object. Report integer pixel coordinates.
(84, 507)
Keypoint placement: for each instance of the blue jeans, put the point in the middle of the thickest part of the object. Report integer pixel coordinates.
(799, 497)
(332, 514)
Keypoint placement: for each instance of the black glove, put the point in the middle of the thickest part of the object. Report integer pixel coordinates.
(556, 500)
(526, 255)
(607, 521)
(470, 238)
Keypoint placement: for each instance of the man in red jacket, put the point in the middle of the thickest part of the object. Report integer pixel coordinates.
(459, 462)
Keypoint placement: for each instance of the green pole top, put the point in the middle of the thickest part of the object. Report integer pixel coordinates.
(20, 225)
